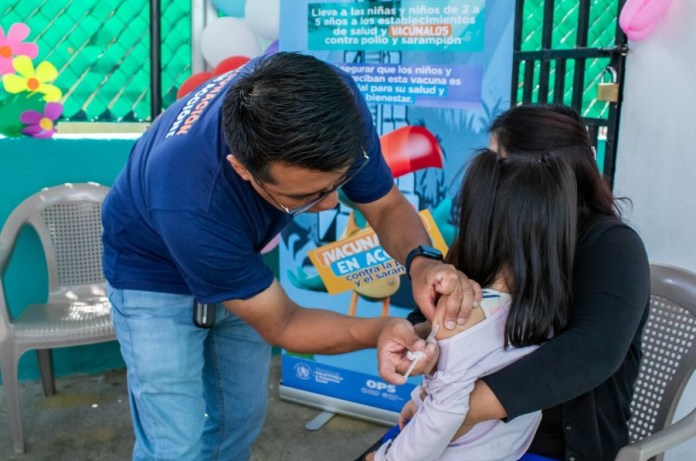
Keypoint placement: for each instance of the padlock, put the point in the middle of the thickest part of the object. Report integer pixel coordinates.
(608, 90)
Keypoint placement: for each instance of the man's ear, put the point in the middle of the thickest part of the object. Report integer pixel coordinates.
(239, 168)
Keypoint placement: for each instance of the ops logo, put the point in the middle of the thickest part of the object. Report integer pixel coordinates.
(381, 386)
(302, 371)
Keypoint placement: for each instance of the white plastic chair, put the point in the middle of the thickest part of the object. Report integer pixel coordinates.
(67, 219)
(669, 360)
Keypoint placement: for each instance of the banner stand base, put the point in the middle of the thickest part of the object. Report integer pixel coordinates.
(332, 406)
(319, 421)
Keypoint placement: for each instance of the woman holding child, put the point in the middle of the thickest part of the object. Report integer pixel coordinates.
(582, 379)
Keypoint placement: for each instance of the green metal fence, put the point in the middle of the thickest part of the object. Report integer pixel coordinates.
(101, 50)
(601, 34)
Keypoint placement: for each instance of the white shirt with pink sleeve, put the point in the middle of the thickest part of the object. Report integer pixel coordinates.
(465, 357)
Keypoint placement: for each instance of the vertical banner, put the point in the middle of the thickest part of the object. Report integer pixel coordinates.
(435, 73)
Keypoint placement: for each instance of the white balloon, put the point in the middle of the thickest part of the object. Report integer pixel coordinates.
(228, 36)
(263, 17)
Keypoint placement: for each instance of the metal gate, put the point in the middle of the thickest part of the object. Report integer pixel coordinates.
(555, 68)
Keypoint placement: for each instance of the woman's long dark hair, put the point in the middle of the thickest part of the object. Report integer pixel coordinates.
(518, 215)
(557, 130)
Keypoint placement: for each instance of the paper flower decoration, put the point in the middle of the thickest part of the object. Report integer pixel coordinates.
(33, 80)
(41, 125)
(27, 94)
(12, 45)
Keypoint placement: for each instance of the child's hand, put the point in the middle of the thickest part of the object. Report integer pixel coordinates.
(407, 413)
(370, 456)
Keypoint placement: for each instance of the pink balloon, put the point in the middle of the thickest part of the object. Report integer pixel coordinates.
(638, 17)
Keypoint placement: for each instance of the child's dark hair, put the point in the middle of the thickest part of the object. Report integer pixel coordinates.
(293, 109)
(518, 215)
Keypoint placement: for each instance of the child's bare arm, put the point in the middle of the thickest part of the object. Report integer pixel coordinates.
(476, 316)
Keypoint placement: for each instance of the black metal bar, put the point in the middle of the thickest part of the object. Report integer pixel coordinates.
(559, 81)
(155, 59)
(573, 53)
(593, 132)
(547, 26)
(544, 71)
(515, 83)
(528, 86)
(595, 121)
(516, 47)
(580, 42)
(583, 23)
(546, 42)
(618, 61)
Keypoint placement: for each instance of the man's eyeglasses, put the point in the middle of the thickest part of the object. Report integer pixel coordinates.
(322, 195)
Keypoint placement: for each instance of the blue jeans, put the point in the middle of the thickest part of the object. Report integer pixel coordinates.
(195, 393)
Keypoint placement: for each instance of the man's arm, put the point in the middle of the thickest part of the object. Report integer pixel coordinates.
(284, 323)
(435, 284)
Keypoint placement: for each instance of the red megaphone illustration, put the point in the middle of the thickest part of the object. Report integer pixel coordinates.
(411, 148)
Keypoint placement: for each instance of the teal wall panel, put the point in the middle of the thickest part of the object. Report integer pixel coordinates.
(26, 166)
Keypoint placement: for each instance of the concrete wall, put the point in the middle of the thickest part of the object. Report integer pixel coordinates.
(656, 164)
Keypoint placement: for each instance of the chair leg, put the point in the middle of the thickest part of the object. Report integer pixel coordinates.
(8, 366)
(385, 306)
(353, 307)
(46, 369)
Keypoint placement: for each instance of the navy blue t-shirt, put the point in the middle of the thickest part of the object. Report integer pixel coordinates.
(178, 219)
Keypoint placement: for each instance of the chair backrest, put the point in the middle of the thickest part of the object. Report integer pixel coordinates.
(67, 219)
(669, 350)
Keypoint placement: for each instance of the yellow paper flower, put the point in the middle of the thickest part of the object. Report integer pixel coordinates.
(32, 80)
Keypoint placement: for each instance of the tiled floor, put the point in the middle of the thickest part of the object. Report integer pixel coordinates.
(88, 420)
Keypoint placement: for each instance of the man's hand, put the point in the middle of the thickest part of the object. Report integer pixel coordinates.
(442, 286)
(435, 284)
(395, 340)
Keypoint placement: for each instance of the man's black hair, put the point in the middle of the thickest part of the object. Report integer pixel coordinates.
(292, 109)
